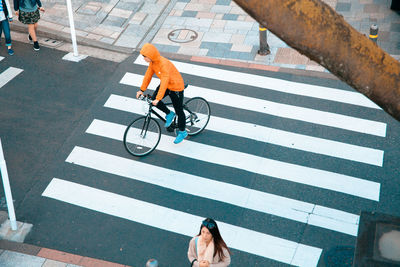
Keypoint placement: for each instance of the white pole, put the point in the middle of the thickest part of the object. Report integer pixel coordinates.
(72, 27)
(7, 190)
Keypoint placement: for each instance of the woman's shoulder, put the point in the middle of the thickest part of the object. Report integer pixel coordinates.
(193, 240)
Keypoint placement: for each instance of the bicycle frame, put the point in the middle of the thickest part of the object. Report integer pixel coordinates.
(152, 111)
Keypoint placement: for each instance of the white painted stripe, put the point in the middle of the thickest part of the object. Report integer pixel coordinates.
(8, 75)
(269, 135)
(264, 166)
(273, 108)
(1, 58)
(275, 84)
(300, 211)
(180, 222)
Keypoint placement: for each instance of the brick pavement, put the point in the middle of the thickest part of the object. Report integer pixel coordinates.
(213, 29)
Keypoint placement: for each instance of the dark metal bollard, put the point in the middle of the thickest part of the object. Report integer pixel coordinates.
(264, 47)
(395, 5)
(373, 32)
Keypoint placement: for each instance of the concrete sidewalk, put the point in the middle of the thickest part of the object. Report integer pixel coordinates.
(213, 31)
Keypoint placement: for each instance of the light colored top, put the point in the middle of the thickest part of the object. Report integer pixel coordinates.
(217, 261)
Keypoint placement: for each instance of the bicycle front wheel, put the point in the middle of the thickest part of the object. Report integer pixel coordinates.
(142, 136)
(197, 114)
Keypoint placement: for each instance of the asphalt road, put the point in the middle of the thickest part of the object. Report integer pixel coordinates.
(85, 194)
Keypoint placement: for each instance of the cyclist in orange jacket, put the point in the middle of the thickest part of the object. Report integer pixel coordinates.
(171, 83)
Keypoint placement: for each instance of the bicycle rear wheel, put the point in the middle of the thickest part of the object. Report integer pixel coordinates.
(197, 114)
(142, 136)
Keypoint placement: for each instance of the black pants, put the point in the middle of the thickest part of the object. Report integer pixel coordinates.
(177, 102)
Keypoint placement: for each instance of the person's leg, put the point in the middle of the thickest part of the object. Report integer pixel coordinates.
(177, 102)
(161, 106)
(32, 32)
(6, 27)
(1, 28)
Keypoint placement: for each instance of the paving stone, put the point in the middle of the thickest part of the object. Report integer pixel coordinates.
(136, 30)
(198, 7)
(168, 48)
(127, 6)
(53, 263)
(239, 25)
(128, 41)
(120, 13)
(187, 13)
(290, 56)
(251, 40)
(107, 40)
(114, 21)
(223, 2)
(230, 17)
(205, 15)
(241, 48)
(371, 8)
(217, 37)
(13, 259)
(395, 27)
(198, 22)
(220, 9)
(340, 7)
(174, 21)
(180, 5)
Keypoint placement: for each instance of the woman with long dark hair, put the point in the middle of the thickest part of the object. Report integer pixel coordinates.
(208, 249)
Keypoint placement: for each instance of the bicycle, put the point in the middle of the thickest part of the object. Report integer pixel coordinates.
(143, 134)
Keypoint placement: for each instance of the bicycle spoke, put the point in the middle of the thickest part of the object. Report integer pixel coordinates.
(197, 112)
(142, 136)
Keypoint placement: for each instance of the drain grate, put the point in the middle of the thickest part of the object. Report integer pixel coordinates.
(50, 42)
(182, 36)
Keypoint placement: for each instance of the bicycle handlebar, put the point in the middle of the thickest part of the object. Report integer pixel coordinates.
(146, 98)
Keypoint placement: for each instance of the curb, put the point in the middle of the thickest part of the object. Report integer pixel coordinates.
(55, 255)
(64, 36)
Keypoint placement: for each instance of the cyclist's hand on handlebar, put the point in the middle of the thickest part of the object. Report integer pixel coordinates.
(155, 102)
(139, 93)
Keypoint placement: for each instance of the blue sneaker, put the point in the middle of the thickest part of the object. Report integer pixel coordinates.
(10, 52)
(181, 135)
(169, 118)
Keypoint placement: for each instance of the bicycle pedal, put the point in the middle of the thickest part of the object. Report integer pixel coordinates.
(170, 128)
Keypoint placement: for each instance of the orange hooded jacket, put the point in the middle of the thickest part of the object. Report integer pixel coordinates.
(164, 69)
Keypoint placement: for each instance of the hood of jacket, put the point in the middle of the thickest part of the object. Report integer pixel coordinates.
(150, 51)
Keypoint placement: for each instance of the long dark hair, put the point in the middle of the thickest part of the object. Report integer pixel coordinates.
(219, 243)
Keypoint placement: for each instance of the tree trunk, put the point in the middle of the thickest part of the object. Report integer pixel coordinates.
(317, 31)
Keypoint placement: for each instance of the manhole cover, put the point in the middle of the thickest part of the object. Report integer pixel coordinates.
(182, 36)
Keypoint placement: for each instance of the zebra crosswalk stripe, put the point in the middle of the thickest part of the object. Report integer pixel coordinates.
(276, 109)
(175, 221)
(264, 166)
(268, 135)
(181, 223)
(8, 75)
(280, 85)
(291, 209)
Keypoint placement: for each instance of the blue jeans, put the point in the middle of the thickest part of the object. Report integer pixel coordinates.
(6, 27)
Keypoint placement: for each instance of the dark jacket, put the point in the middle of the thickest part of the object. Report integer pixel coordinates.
(5, 9)
(21, 3)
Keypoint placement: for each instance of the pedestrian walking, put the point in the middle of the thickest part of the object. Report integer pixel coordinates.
(208, 249)
(5, 18)
(28, 13)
